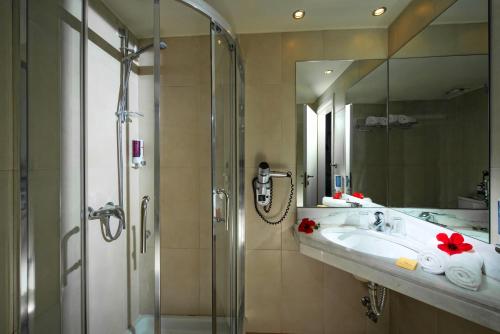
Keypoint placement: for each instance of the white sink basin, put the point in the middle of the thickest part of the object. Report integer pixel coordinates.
(369, 242)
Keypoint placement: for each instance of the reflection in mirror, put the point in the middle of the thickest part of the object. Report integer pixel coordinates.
(439, 122)
(339, 163)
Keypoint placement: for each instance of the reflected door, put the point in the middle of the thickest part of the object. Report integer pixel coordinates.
(223, 183)
(311, 157)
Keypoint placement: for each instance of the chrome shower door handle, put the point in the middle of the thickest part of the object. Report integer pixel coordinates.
(144, 217)
(223, 193)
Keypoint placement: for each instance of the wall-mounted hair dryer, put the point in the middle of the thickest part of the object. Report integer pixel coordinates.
(263, 192)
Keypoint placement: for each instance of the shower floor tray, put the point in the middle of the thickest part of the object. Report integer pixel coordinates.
(179, 325)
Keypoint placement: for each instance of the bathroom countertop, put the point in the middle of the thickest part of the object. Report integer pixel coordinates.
(482, 306)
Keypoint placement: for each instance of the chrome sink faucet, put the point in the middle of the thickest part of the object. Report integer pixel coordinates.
(379, 223)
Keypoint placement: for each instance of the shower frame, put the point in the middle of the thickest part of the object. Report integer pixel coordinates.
(26, 256)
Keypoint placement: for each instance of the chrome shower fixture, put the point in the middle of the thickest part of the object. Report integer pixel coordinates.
(136, 53)
(104, 214)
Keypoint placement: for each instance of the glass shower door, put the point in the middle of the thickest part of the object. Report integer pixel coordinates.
(223, 182)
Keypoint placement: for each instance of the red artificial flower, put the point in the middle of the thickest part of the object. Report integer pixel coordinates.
(308, 226)
(358, 195)
(454, 244)
(337, 195)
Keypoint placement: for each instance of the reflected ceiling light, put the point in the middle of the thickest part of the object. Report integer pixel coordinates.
(299, 14)
(379, 11)
(328, 72)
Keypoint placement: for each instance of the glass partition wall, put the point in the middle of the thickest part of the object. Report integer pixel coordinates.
(128, 191)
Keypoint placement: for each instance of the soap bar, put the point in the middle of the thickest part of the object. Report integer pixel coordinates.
(409, 264)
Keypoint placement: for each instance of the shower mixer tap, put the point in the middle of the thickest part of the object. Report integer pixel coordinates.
(104, 214)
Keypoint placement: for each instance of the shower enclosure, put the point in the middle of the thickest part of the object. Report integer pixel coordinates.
(128, 207)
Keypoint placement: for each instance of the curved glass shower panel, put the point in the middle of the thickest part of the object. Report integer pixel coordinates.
(223, 181)
(48, 101)
(185, 170)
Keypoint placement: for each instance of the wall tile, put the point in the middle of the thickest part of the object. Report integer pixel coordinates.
(449, 323)
(6, 250)
(299, 46)
(263, 291)
(180, 65)
(355, 44)
(263, 128)
(410, 316)
(262, 54)
(180, 277)
(302, 294)
(181, 106)
(179, 212)
(205, 281)
(341, 303)
(6, 128)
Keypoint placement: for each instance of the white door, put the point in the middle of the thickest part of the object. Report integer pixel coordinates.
(310, 176)
(339, 144)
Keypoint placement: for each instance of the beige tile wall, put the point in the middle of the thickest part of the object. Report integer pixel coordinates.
(6, 172)
(186, 177)
(409, 316)
(287, 292)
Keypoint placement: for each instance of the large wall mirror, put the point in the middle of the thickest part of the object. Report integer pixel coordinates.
(410, 132)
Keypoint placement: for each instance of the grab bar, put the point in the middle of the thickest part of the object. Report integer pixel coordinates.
(220, 191)
(144, 217)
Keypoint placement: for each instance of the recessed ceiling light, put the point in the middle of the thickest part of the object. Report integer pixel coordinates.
(328, 72)
(299, 14)
(379, 11)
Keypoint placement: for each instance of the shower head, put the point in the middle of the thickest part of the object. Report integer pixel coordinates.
(138, 52)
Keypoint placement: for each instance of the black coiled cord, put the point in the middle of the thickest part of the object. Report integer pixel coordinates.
(267, 208)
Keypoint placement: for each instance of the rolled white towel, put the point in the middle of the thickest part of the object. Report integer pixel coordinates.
(375, 121)
(465, 270)
(371, 121)
(335, 203)
(404, 119)
(433, 260)
(382, 121)
(393, 119)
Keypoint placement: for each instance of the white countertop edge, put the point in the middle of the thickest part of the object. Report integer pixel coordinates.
(463, 307)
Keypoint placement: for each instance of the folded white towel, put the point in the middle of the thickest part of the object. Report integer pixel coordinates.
(465, 270)
(433, 260)
(335, 203)
(352, 199)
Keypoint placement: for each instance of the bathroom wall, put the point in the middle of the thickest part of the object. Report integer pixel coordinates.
(7, 173)
(185, 189)
(409, 316)
(287, 292)
(186, 176)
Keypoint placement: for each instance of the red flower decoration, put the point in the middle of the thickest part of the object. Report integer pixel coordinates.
(454, 244)
(308, 226)
(337, 195)
(358, 195)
